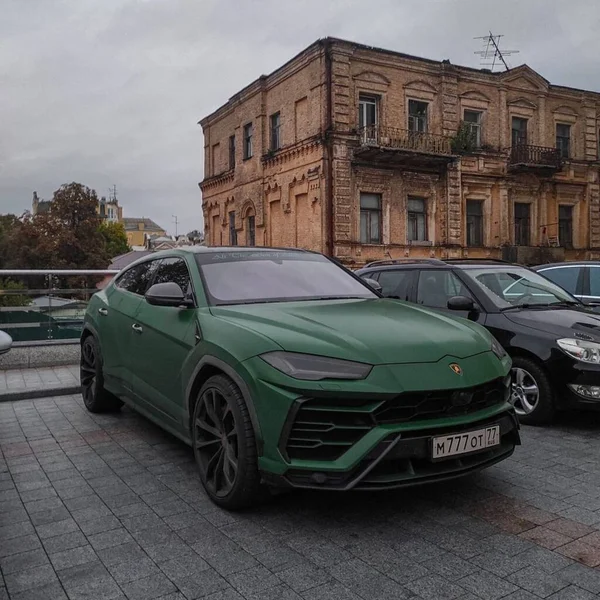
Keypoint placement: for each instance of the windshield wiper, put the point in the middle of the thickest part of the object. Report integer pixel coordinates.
(559, 304)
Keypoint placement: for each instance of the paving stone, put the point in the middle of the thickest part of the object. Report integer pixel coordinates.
(545, 537)
(108, 539)
(537, 582)
(331, 591)
(572, 592)
(304, 576)
(19, 544)
(55, 528)
(581, 552)
(435, 587)
(133, 569)
(20, 581)
(253, 580)
(570, 528)
(543, 559)
(73, 557)
(486, 585)
(23, 561)
(201, 584)
(67, 541)
(582, 576)
(51, 591)
(499, 563)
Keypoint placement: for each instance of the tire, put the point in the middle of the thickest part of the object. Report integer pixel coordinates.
(527, 373)
(223, 436)
(95, 397)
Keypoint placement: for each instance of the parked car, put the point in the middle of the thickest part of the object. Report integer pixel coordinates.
(281, 367)
(581, 279)
(5, 342)
(552, 338)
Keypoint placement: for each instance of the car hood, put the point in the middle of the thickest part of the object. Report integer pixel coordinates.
(376, 331)
(561, 322)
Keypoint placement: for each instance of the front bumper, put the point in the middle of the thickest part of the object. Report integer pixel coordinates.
(403, 459)
(565, 372)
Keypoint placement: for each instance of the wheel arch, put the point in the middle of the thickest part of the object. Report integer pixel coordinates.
(206, 368)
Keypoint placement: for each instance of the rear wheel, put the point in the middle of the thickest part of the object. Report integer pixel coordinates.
(95, 397)
(532, 394)
(224, 445)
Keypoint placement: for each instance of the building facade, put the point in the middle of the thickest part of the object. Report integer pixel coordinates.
(365, 154)
(138, 230)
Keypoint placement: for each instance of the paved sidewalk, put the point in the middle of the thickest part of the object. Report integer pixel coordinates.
(111, 507)
(18, 384)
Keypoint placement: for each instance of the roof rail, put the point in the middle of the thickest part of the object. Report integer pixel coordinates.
(493, 260)
(400, 261)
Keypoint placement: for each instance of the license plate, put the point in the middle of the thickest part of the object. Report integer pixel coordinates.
(465, 443)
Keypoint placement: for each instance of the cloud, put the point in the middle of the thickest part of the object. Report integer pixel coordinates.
(110, 92)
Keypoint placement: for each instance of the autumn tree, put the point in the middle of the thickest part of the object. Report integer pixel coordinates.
(115, 238)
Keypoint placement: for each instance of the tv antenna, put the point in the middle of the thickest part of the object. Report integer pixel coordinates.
(176, 221)
(491, 55)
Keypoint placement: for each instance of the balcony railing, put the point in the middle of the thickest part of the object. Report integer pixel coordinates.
(525, 155)
(404, 139)
(47, 305)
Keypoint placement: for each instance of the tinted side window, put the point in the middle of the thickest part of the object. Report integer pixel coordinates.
(594, 281)
(174, 270)
(395, 284)
(137, 279)
(566, 277)
(435, 288)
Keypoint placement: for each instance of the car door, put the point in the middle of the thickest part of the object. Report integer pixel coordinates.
(570, 278)
(163, 338)
(395, 283)
(435, 287)
(116, 320)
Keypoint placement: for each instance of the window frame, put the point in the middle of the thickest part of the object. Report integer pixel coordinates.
(475, 127)
(579, 284)
(137, 265)
(569, 241)
(481, 224)
(232, 151)
(415, 119)
(275, 132)
(187, 268)
(233, 241)
(528, 219)
(520, 140)
(410, 221)
(248, 134)
(463, 286)
(563, 143)
(251, 230)
(369, 213)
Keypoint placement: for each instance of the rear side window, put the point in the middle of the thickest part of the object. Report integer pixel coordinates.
(137, 279)
(395, 284)
(174, 270)
(435, 288)
(565, 277)
(594, 281)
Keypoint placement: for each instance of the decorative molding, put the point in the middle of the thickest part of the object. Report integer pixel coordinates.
(566, 110)
(288, 153)
(522, 102)
(372, 77)
(216, 180)
(474, 95)
(421, 86)
(246, 207)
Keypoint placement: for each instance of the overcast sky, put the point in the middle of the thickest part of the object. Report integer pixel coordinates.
(109, 92)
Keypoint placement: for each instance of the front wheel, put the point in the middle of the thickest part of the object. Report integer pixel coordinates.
(532, 394)
(95, 397)
(224, 445)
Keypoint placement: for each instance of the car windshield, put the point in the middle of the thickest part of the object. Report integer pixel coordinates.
(275, 276)
(515, 286)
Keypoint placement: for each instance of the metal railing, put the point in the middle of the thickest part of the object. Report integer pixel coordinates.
(535, 156)
(47, 305)
(404, 139)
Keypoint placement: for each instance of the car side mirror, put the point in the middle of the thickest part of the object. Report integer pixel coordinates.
(167, 294)
(461, 303)
(372, 283)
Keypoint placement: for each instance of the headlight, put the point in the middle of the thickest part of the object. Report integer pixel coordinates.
(315, 368)
(497, 349)
(588, 352)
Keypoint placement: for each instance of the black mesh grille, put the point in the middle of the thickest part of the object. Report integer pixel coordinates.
(324, 430)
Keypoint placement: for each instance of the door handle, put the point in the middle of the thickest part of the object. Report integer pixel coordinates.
(137, 328)
(103, 311)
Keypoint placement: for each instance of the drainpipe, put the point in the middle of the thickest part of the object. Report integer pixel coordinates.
(329, 146)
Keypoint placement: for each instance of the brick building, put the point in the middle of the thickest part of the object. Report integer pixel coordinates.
(365, 153)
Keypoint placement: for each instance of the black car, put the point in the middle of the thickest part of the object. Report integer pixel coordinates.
(581, 279)
(553, 339)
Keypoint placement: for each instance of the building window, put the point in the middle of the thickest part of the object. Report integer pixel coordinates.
(248, 141)
(251, 231)
(519, 131)
(417, 116)
(232, 230)
(474, 223)
(367, 111)
(232, 151)
(565, 225)
(275, 131)
(563, 139)
(472, 119)
(417, 220)
(522, 223)
(370, 218)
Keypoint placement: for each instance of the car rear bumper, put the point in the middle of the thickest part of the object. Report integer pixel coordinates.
(403, 458)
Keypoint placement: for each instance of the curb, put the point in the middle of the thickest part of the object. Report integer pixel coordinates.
(40, 393)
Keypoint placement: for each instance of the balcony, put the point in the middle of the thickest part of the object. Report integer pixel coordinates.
(389, 146)
(545, 161)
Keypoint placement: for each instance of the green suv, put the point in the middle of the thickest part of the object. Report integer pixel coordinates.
(282, 368)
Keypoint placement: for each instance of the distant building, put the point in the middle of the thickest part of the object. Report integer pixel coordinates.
(136, 230)
(108, 210)
(39, 206)
(365, 154)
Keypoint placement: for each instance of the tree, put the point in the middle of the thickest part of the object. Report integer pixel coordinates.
(115, 238)
(13, 299)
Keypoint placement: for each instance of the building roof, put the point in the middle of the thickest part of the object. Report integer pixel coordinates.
(124, 260)
(255, 85)
(132, 224)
